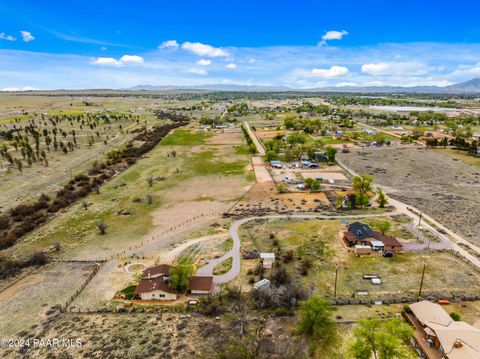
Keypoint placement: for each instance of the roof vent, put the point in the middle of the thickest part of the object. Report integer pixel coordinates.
(457, 344)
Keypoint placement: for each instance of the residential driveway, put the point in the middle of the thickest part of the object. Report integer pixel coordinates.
(207, 270)
(446, 236)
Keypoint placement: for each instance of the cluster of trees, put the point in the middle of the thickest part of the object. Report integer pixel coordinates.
(363, 186)
(240, 109)
(294, 146)
(23, 218)
(458, 143)
(33, 141)
(251, 145)
(10, 267)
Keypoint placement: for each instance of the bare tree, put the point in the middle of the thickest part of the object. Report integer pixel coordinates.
(149, 198)
(150, 181)
(102, 226)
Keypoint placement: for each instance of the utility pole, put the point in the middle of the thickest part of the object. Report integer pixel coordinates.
(420, 219)
(335, 285)
(421, 282)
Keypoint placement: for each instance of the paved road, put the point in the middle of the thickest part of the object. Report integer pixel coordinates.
(432, 226)
(256, 141)
(234, 253)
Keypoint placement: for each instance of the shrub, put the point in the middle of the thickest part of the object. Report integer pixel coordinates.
(455, 316)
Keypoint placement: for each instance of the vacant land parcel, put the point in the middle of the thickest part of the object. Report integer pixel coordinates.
(441, 186)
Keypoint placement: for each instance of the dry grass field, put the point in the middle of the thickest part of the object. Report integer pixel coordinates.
(437, 184)
(317, 241)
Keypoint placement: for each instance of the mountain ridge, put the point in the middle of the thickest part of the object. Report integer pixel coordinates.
(470, 86)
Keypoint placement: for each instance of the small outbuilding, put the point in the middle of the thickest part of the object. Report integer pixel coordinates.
(200, 285)
(267, 259)
(362, 250)
(377, 245)
(261, 283)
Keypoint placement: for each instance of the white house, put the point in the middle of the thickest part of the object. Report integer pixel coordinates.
(155, 284)
(268, 259)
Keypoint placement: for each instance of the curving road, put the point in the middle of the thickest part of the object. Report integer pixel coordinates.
(234, 253)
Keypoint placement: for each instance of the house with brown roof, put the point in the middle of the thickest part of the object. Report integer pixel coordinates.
(360, 234)
(438, 336)
(155, 284)
(200, 285)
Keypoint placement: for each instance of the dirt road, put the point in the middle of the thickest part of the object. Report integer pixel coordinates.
(256, 141)
(432, 225)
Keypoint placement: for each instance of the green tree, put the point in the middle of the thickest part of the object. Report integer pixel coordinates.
(330, 153)
(381, 198)
(179, 275)
(362, 184)
(313, 184)
(382, 340)
(316, 321)
(382, 226)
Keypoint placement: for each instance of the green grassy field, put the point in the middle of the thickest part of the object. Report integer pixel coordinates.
(460, 156)
(76, 226)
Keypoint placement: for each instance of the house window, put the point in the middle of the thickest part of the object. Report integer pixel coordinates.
(161, 295)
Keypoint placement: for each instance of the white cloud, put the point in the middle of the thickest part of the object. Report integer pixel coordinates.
(12, 89)
(110, 61)
(334, 71)
(231, 66)
(169, 44)
(332, 35)
(376, 68)
(197, 71)
(106, 61)
(412, 68)
(204, 49)
(203, 62)
(27, 36)
(4, 36)
(103, 48)
(131, 59)
(466, 72)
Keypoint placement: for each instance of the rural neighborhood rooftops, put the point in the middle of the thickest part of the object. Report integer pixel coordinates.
(458, 340)
(387, 240)
(200, 283)
(427, 312)
(162, 269)
(376, 243)
(150, 285)
(267, 255)
(360, 230)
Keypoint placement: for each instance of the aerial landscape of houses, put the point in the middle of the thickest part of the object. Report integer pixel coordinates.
(271, 180)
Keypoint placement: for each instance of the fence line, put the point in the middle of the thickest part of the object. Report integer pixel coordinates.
(157, 237)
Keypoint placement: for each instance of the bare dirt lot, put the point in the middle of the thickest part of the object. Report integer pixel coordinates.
(445, 188)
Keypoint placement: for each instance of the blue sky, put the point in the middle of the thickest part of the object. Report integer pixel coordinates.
(302, 44)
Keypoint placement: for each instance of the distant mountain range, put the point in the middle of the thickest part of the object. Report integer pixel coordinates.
(471, 86)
